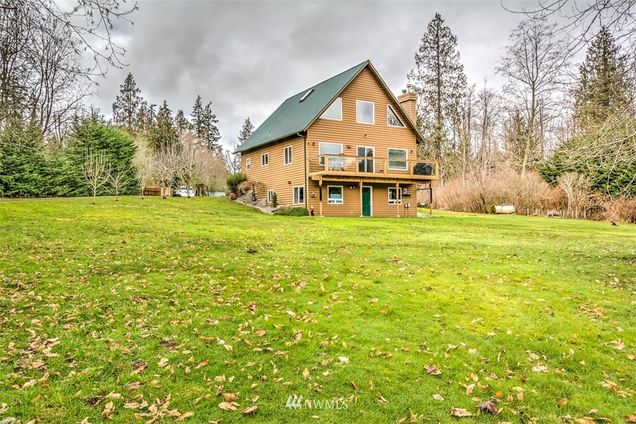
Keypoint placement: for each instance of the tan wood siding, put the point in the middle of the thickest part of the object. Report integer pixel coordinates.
(351, 205)
(276, 175)
(352, 134)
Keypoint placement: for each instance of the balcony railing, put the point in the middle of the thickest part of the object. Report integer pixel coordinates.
(372, 165)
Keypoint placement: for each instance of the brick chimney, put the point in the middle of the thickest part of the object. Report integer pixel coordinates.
(408, 101)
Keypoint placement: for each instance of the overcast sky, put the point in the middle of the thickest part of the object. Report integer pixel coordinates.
(248, 56)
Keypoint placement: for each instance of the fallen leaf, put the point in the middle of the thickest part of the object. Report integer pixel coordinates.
(163, 362)
(228, 406)
(562, 402)
(460, 412)
(229, 397)
(185, 415)
(250, 410)
(343, 359)
(631, 418)
(432, 370)
(108, 410)
(489, 406)
(306, 373)
(438, 397)
(381, 400)
(540, 368)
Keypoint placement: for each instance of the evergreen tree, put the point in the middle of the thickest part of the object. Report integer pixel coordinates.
(118, 147)
(440, 81)
(164, 133)
(233, 158)
(127, 104)
(246, 131)
(197, 117)
(22, 161)
(211, 135)
(181, 123)
(604, 86)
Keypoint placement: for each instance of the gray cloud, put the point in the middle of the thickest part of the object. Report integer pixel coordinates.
(248, 56)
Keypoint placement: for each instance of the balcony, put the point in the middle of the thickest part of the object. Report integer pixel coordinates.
(366, 167)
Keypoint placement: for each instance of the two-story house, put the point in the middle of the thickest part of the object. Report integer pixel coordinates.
(344, 147)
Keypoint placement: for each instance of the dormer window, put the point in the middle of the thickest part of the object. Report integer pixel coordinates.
(334, 111)
(392, 119)
(307, 93)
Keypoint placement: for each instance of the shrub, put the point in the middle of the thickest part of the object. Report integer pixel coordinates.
(274, 200)
(292, 212)
(479, 193)
(621, 209)
(234, 180)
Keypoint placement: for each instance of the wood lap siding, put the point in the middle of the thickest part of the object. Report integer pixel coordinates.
(349, 132)
(276, 176)
(282, 178)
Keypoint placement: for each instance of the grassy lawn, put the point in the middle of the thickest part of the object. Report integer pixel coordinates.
(153, 309)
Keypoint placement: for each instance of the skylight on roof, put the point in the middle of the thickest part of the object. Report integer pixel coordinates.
(311, 90)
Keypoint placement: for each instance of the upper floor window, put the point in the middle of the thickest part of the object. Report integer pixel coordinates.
(334, 111)
(288, 155)
(398, 159)
(328, 149)
(265, 159)
(365, 112)
(392, 119)
(248, 163)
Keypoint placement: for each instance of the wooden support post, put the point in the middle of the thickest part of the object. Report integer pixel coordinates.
(361, 214)
(320, 196)
(398, 196)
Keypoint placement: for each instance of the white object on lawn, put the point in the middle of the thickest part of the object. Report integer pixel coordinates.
(504, 209)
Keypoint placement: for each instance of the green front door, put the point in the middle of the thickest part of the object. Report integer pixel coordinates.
(366, 201)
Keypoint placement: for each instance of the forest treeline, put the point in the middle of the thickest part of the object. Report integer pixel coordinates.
(558, 137)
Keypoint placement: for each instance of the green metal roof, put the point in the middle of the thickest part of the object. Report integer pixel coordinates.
(294, 115)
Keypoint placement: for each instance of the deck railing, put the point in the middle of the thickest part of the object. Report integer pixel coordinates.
(370, 165)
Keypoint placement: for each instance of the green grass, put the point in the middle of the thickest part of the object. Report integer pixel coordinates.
(90, 292)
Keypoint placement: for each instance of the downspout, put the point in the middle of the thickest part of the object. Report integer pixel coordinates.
(306, 189)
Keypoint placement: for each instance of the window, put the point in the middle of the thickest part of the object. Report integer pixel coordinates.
(248, 163)
(329, 149)
(392, 120)
(299, 195)
(335, 195)
(334, 111)
(395, 195)
(288, 155)
(270, 196)
(397, 159)
(366, 165)
(365, 112)
(265, 159)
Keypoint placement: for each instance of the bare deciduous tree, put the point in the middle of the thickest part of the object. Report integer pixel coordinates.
(144, 165)
(96, 171)
(533, 66)
(118, 179)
